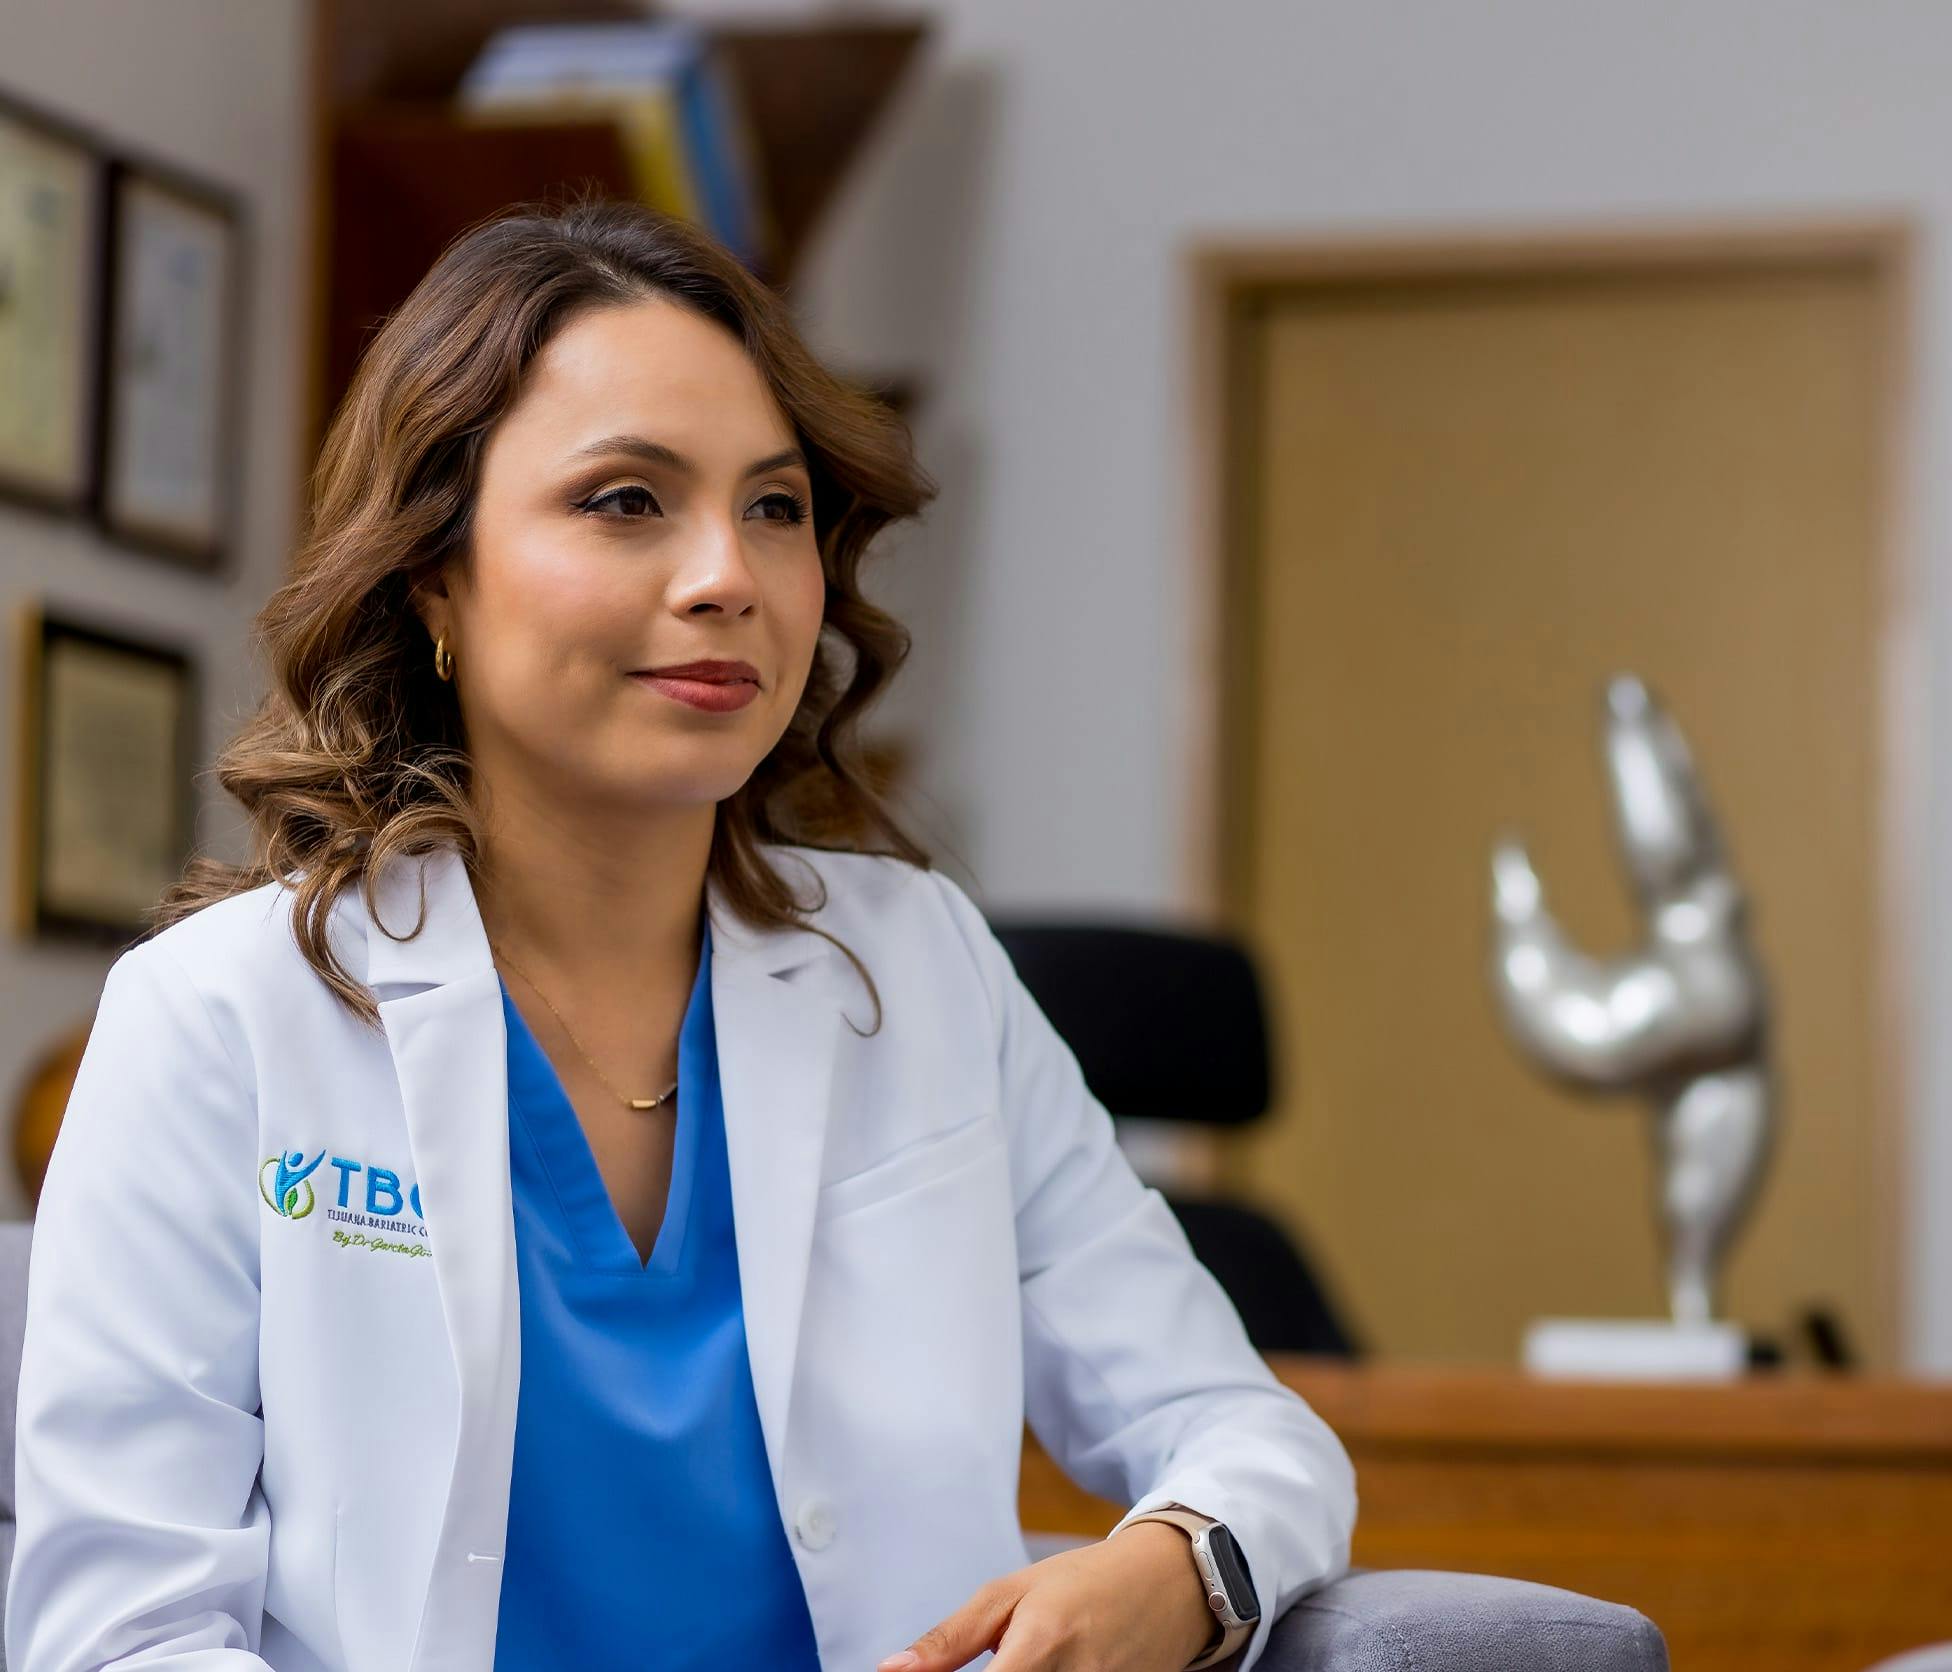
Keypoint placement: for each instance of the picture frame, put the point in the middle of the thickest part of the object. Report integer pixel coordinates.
(173, 330)
(53, 251)
(106, 792)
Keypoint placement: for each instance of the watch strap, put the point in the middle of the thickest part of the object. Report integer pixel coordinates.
(1192, 1524)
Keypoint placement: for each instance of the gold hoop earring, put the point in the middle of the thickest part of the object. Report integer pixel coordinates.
(443, 658)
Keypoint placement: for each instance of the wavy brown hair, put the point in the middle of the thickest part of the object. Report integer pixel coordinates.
(357, 753)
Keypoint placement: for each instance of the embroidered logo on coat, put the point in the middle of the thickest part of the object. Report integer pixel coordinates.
(284, 1181)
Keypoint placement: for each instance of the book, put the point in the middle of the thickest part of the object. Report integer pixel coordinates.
(674, 101)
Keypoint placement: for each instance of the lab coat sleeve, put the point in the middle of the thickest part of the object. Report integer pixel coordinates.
(1139, 1377)
(143, 1533)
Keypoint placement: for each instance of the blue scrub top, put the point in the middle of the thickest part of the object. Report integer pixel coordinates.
(641, 1505)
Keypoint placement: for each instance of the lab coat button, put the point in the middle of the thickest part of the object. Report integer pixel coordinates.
(813, 1524)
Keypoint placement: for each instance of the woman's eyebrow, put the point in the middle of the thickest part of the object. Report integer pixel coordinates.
(642, 447)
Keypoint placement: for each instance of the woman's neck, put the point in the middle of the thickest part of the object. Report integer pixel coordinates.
(615, 905)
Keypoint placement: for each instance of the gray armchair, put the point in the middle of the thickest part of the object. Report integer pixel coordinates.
(1375, 1621)
(1366, 1622)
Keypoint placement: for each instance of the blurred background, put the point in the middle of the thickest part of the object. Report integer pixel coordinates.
(1329, 400)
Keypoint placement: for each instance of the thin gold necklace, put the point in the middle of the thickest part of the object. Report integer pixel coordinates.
(631, 1102)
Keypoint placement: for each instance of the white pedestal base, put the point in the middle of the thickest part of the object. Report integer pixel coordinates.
(1634, 1349)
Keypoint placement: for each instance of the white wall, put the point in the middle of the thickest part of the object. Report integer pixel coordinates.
(1014, 232)
(217, 87)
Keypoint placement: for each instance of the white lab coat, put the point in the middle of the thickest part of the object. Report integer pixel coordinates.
(247, 1439)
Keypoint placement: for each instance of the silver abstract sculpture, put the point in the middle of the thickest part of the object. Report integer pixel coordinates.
(1683, 1020)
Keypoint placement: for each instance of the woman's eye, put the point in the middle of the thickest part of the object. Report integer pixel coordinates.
(628, 503)
(791, 505)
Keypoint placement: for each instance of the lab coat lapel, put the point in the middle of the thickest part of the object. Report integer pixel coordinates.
(444, 1027)
(777, 1014)
(776, 1010)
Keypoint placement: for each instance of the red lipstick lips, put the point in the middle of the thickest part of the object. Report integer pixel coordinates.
(718, 687)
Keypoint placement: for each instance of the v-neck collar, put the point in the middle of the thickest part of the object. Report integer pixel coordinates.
(538, 1099)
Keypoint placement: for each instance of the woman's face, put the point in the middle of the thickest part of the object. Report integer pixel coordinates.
(643, 504)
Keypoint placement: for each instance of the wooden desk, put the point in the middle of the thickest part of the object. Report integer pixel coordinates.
(1780, 1524)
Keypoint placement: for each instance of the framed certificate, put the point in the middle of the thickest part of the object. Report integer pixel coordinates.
(53, 193)
(171, 364)
(107, 790)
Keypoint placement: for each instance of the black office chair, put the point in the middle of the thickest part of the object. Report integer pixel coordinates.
(1171, 1026)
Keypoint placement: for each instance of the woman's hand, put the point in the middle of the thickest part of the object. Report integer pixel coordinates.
(1133, 1602)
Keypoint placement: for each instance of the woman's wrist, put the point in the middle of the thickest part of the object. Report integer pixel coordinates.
(1203, 1628)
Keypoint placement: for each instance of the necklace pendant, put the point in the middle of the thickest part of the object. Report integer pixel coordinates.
(645, 1102)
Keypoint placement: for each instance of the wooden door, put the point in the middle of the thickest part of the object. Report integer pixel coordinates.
(1458, 502)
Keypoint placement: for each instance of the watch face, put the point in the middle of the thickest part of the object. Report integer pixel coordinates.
(1232, 1567)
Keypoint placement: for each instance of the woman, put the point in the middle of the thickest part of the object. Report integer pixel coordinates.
(386, 1309)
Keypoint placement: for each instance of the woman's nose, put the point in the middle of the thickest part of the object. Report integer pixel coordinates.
(715, 570)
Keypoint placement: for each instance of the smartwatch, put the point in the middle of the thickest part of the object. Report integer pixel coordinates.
(1223, 1570)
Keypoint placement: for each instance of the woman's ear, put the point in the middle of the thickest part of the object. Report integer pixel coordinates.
(430, 602)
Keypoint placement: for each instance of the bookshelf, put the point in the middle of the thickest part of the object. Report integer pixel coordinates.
(398, 171)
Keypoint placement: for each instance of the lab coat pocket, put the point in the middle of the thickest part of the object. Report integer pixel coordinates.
(912, 1165)
(914, 1266)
